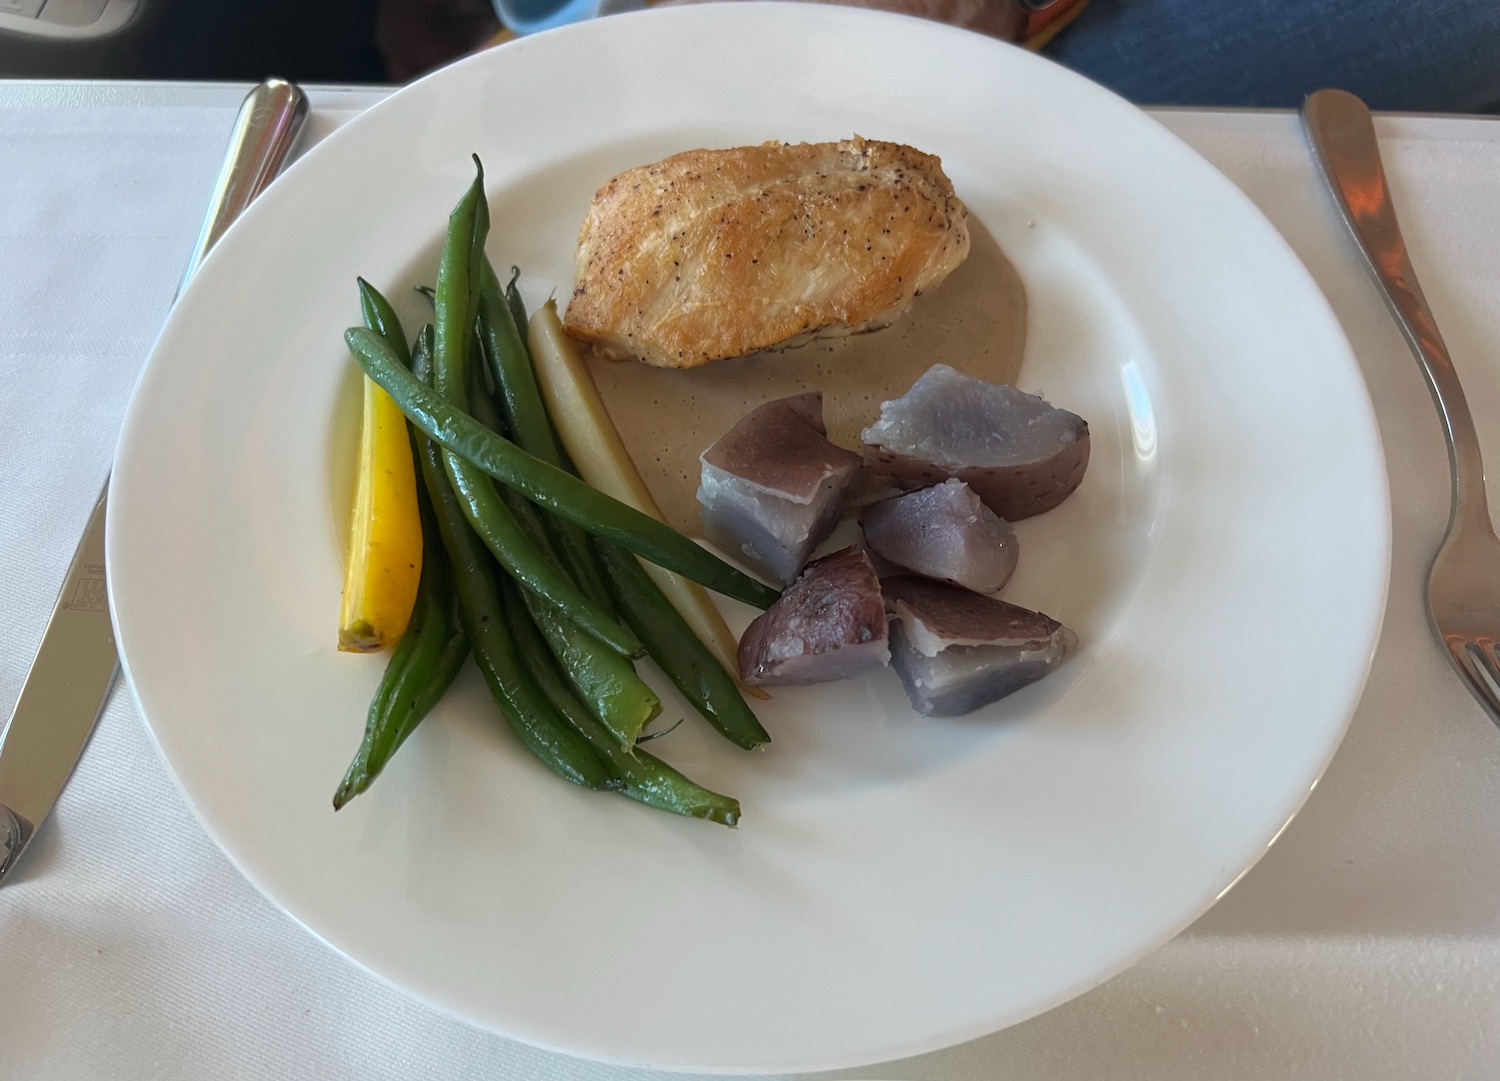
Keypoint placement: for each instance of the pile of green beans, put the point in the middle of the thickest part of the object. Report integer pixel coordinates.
(526, 567)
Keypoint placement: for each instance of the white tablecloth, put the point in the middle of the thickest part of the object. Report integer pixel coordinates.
(1366, 944)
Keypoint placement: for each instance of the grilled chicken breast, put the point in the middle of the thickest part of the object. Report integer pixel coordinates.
(713, 254)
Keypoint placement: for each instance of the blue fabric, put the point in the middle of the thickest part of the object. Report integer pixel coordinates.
(1414, 55)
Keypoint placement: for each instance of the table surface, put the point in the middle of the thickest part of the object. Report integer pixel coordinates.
(1365, 945)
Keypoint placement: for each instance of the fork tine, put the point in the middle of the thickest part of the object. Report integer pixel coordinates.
(1481, 668)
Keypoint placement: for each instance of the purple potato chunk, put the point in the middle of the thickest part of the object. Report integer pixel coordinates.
(773, 486)
(1021, 455)
(829, 624)
(944, 532)
(956, 651)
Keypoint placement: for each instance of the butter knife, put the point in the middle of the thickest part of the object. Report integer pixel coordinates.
(75, 665)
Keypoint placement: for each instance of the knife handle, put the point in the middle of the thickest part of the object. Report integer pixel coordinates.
(264, 133)
(75, 665)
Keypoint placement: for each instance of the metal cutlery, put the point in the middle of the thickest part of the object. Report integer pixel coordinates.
(1463, 586)
(75, 665)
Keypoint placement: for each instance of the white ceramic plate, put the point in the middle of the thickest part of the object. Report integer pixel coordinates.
(898, 884)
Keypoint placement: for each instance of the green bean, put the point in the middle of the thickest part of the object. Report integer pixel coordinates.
(608, 682)
(510, 366)
(458, 287)
(481, 403)
(547, 485)
(513, 299)
(678, 652)
(493, 521)
(421, 669)
(504, 347)
(532, 719)
(381, 318)
(458, 283)
(643, 777)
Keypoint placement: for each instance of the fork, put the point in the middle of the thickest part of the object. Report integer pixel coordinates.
(1463, 586)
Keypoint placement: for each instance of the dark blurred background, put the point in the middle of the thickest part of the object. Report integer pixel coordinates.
(1414, 55)
(331, 41)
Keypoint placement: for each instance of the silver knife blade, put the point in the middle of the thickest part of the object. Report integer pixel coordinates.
(75, 665)
(61, 698)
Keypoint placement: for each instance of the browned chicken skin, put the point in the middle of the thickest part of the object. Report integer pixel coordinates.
(712, 254)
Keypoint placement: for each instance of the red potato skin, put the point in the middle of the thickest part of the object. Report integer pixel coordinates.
(835, 604)
(1012, 492)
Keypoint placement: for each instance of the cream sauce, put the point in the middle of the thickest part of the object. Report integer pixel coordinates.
(975, 321)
